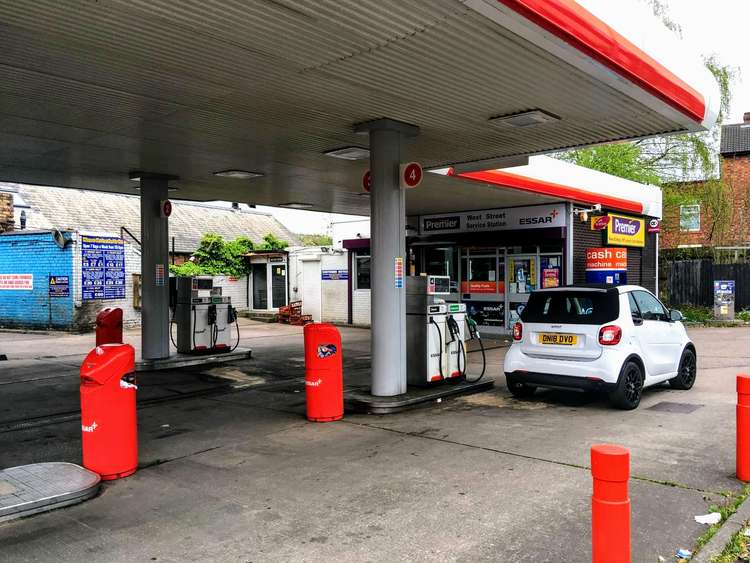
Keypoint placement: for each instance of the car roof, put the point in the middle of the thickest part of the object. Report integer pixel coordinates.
(604, 288)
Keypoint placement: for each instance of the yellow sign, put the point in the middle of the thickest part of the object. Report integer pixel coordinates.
(626, 231)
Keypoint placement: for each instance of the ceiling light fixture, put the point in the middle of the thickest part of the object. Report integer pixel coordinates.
(238, 174)
(349, 153)
(524, 119)
(296, 205)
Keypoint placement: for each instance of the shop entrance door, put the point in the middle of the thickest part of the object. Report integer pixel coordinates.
(522, 279)
(483, 288)
(260, 285)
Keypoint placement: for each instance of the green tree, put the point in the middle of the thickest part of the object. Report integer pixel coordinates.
(215, 257)
(672, 160)
(270, 242)
(316, 240)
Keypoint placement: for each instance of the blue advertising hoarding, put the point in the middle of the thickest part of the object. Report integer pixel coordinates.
(102, 267)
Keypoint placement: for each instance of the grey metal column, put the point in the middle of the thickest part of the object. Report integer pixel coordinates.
(154, 269)
(387, 244)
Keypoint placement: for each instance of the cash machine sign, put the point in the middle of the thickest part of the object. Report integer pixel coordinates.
(558, 338)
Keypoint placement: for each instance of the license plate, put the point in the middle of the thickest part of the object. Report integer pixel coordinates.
(557, 338)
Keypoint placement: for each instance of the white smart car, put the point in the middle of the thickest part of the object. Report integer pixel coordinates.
(614, 339)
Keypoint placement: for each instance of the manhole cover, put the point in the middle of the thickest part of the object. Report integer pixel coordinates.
(681, 408)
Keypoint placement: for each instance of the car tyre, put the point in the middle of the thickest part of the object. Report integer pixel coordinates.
(686, 374)
(627, 394)
(517, 388)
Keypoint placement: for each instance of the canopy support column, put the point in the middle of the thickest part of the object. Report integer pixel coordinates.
(387, 253)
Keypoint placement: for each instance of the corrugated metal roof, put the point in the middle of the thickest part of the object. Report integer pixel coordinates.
(735, 138)
(93, 90)
(90, 211)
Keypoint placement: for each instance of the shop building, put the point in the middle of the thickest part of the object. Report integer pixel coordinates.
(568, 225)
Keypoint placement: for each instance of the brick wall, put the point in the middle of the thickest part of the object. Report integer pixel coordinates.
(735, 172)
(35, 253)
(6, 212)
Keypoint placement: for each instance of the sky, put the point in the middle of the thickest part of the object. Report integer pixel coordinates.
(719, 27)
(715, 27)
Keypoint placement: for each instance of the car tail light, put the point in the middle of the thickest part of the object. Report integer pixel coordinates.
(610, 335)
(517, 331)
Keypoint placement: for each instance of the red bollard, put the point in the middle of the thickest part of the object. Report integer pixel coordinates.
(610, 505)
(743, 427)
(324, 373)
(109, 326)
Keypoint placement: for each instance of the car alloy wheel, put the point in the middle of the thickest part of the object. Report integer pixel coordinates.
(688, 370)
(632, 384)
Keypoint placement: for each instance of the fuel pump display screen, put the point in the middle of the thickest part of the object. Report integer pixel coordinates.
(437, 285)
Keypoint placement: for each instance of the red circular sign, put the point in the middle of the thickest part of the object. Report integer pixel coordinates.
(166, 208)
(412, 175)
(367, 181)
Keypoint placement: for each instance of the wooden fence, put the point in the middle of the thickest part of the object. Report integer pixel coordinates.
(692, 282)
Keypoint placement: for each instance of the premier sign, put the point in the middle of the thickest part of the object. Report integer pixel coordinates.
(508, 219)
(626, 231)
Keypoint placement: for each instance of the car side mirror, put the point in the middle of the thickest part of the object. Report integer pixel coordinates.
(675, 315)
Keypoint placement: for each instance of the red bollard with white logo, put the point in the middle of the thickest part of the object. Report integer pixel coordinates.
(109, 431)
(109, 326)
(324, 373)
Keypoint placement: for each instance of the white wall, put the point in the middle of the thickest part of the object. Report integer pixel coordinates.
(347, 230)
(361, 307)
(334, 293)
(327, 300)
(236, 288)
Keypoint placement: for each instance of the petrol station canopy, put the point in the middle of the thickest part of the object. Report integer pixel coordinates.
(95, 91)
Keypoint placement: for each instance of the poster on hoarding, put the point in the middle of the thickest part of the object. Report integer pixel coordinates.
(102, 267)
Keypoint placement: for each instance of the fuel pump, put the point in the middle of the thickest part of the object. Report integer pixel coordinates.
(426, 358)
(203, 316)
(436, 333)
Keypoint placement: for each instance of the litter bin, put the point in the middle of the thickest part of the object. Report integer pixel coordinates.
(324, 373)
(109, 432)
(109, 326)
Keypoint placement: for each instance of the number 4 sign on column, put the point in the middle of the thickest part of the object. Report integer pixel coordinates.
(410, 175)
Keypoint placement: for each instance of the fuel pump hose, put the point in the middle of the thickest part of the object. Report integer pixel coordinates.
(440, 347)
(475, 334)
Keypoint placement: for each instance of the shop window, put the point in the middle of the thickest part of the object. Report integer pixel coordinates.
(690, 218)
(362, 271)
(551, 271)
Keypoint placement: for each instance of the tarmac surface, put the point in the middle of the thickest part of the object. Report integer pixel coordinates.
(230, 470)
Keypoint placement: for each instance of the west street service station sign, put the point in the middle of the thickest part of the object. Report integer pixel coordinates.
(508, 219)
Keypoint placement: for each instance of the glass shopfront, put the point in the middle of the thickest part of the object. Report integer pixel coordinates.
(494, 282)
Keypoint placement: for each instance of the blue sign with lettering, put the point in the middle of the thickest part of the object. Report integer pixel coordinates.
(59, 286)
(102, 267)
(334, 275)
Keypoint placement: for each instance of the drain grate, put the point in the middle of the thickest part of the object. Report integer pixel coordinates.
(679, 408)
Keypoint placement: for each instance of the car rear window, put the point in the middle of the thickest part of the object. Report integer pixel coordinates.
(571, 307)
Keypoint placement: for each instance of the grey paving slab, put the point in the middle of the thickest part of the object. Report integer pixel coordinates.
(30, 489)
